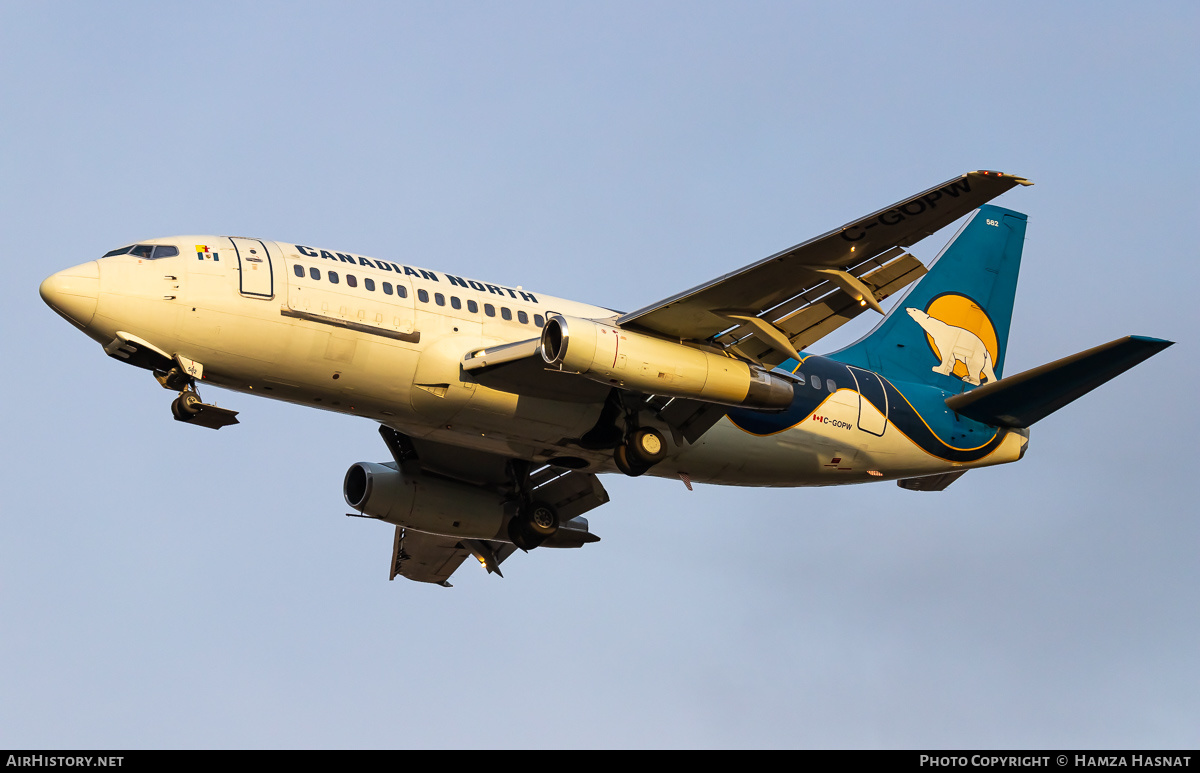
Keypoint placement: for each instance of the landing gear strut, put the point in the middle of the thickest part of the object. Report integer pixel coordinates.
(533, 522)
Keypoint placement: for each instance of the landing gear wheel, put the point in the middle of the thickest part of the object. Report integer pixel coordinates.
(189, 403)
(532, 525)
(646, 446)
(519, 534)
(542, 519)
(186, 406)
(630, 467)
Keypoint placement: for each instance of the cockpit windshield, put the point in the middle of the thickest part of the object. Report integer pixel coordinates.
(145, 251)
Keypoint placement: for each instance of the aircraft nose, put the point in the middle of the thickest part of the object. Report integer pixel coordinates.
(73, 292)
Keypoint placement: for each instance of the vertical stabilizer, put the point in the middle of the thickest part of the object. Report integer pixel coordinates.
(951, 329)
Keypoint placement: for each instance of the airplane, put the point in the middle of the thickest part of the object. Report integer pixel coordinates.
(500, 407)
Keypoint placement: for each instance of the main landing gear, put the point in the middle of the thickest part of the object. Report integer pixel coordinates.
(533, 522)
(637, 448)
(642, 449)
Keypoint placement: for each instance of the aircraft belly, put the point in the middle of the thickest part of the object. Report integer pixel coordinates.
(727, 455)
(826, 448)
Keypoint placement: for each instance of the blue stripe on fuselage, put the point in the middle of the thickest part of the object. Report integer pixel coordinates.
(919, 412)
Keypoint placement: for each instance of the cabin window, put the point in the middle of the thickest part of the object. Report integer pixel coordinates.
(816, 382)
(369, 283)
(298, 270)
(164, 251)
(832, 386)
(506, 313)
(315, 273)
(423, 296)
(402, 291)
(473, 307)
(439, 299)
(351, 280)
(333, 277)
(455, 303)
(539, 320)
(800, 378)
(489, 309)
(523, 318)
(387, 288)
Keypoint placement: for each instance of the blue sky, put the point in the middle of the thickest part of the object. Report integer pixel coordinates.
(162, 586)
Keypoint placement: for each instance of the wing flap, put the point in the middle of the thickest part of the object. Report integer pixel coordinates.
(570, 492)
(824, 308)
(425, 557)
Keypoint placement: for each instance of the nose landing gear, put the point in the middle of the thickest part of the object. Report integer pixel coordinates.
(188, 407)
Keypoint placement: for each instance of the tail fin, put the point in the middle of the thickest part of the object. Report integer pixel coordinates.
(951, 329)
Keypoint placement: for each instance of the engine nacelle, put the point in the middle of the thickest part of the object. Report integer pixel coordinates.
(643, 363)
(425, 503)
(440, 506)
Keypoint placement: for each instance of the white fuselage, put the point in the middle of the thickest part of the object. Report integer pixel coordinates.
(386, 342)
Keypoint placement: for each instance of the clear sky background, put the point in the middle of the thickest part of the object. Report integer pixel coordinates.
(167, 586)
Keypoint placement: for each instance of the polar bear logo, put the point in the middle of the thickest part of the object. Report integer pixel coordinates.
(956, 344)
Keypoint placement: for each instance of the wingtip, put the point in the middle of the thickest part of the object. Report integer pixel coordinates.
(1159, 343)
(992, 173)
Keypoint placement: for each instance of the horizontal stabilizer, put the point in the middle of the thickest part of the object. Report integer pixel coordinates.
(1021, 400)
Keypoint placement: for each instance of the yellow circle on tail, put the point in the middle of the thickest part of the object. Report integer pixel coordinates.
(961, 311)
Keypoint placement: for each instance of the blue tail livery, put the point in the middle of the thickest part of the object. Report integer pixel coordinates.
(951, 330)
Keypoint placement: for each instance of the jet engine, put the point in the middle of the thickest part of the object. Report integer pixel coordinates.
(651, 365)
(423, 502)
(442, 506)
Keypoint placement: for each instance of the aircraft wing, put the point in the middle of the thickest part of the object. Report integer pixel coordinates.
(771, 309)
(433, 558)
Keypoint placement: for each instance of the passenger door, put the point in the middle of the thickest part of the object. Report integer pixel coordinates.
(254, 264)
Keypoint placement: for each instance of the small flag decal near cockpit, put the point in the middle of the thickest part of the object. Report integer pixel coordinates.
(202, 253)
